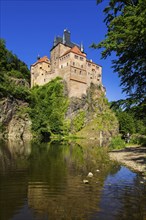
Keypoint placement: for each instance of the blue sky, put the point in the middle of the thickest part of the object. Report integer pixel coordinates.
(29, 28)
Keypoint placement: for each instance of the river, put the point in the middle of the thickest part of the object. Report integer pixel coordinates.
(46, 181)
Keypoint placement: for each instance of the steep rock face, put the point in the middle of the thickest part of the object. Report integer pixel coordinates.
(91, 116)
(14, 125)
(19, 128)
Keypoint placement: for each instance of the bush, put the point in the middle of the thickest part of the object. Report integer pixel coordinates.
(138, 139)
(117, 143)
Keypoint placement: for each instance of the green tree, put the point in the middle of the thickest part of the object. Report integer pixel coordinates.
(10, 62)
(126, 37)
(48, 108)
(126, 123)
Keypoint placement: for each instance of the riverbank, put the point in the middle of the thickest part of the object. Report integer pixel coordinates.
(133, 157)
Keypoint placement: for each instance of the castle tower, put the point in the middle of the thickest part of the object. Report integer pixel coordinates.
(40, 70)
(69, 61)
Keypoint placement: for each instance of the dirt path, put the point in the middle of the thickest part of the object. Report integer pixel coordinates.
(133, 157)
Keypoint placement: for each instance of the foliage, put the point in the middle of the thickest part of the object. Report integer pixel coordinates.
(48, 108)
(131, 118)
(117, 143)
(10, 62)
(125, 37)
(126, 123)
(12, 68)
(138, 139)
(78, 121)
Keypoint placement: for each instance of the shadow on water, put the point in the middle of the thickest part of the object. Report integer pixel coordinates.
(45, 181)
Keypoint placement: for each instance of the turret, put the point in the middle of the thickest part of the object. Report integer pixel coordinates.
(82, 48)
(66, 36)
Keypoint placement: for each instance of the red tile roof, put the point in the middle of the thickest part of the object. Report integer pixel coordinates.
(42, 59)
(75, 50)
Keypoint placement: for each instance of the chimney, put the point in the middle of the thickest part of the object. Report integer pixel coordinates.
(66, 36)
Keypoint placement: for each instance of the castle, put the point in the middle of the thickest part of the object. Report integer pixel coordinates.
(67, 60)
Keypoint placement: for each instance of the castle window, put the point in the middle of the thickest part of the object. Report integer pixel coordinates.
(42, 74)
(80, 72)
(97, 67)
(81, 66)
(73, 63)
(76, 57)
(61, 66)
(75, 70)
(81, 58)
(67, 64)
(89, 64)
(40, 67)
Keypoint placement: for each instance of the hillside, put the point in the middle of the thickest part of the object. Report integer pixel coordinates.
(14, 96)
(47, 111)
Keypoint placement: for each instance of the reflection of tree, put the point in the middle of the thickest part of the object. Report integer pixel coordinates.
(55, 180)
(13, 177)
(13, 192)
(51, 177)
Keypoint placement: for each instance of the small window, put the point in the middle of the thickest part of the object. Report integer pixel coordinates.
(76, 57)
(73, 63)
(75, 70)
(81, 58)
(81, 66)
(40, 67)
(67, 64)
(61, 66)
(80, 72)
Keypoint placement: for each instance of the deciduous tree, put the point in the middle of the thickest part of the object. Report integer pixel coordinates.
(126, 36)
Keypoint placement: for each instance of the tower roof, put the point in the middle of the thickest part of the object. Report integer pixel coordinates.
(66, 40)
(75, 50)
(42, 59)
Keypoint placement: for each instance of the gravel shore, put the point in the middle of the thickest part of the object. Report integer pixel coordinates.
(133, 157)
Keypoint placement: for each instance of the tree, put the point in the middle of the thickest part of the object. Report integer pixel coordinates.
(126, 123)
(126, 36)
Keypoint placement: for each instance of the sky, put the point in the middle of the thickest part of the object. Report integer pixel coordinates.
(29, 28)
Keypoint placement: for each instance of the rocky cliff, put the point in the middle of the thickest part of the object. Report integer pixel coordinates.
(91, 116)
(15, 123)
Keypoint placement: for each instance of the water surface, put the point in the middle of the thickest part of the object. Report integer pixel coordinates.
(45, 181)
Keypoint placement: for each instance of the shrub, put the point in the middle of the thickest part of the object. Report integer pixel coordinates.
(117, 143)
(138, 139)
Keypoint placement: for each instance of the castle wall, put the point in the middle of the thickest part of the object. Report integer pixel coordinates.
(94, 72)
(39, 72)
(58, 51)
(77, 88)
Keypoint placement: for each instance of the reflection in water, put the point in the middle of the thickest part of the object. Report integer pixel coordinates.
(46, 182)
